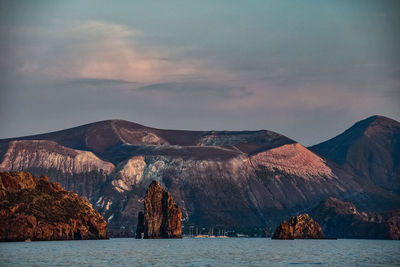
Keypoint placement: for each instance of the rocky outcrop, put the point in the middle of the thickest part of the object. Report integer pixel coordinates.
(162, 217)
(299, 227)
(37, 209)
(342, 220)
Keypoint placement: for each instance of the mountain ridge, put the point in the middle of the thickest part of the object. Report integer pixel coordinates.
(104, 137)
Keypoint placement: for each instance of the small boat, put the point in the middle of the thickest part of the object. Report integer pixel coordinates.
(242, 235)
(28, 240)
(201, 236)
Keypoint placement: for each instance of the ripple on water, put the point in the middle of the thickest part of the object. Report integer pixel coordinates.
(201, 252)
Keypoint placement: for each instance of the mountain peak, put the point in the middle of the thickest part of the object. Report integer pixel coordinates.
(371, 126)
(378, 120)
(381, 118)
(370, 148)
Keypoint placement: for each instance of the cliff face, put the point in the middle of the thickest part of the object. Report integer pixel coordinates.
(299, 227)
(162, 217)
(79, 171)
(342, 220)
(37, 209)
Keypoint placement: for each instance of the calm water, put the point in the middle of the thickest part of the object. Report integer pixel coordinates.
(201, 252)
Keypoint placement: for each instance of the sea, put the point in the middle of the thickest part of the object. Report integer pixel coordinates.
(201, 252)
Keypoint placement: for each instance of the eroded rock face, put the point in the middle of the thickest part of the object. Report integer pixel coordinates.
(37, 209)
(342, 220)
(162, 217)
(299, 227)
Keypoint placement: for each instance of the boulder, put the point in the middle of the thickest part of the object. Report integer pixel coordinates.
(299, 227)
(161, 217)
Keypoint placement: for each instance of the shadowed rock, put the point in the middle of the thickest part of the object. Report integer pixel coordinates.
(299, 227)
(140, 225)
(37, 209)
(342, 219)
(162, 217)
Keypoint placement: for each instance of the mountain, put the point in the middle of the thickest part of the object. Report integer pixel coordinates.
(37, 209)
(369, 149)
(229, 178)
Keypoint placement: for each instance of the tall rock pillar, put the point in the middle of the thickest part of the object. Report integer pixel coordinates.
(162, 216)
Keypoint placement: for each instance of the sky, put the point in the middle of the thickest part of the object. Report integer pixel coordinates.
(306, 69)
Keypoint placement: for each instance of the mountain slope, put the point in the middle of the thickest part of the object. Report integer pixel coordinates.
(369, 149)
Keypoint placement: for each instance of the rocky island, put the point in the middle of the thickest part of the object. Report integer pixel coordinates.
(36, 209)
(161, 217)
(299, 227)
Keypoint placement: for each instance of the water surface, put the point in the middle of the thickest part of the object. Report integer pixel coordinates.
(201, 252)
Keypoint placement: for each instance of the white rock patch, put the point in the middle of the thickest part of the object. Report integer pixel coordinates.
(130, 174)
(108, 205)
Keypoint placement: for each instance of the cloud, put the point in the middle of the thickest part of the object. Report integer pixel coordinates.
(120, 58)
(214, 89)
(102, 50)
(94, 82)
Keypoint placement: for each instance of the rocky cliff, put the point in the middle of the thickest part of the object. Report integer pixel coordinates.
(161, 217)
(342, 220)
(231, 178)
(299, 227)
(37, 209)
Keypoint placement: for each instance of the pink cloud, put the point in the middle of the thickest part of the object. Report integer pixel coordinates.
(102, 50)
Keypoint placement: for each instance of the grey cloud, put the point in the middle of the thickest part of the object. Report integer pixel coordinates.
(94, 82)
(221, 90)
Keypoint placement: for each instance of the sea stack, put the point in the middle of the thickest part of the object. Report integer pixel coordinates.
(299, 227)
(36, 209)
(161, 217)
